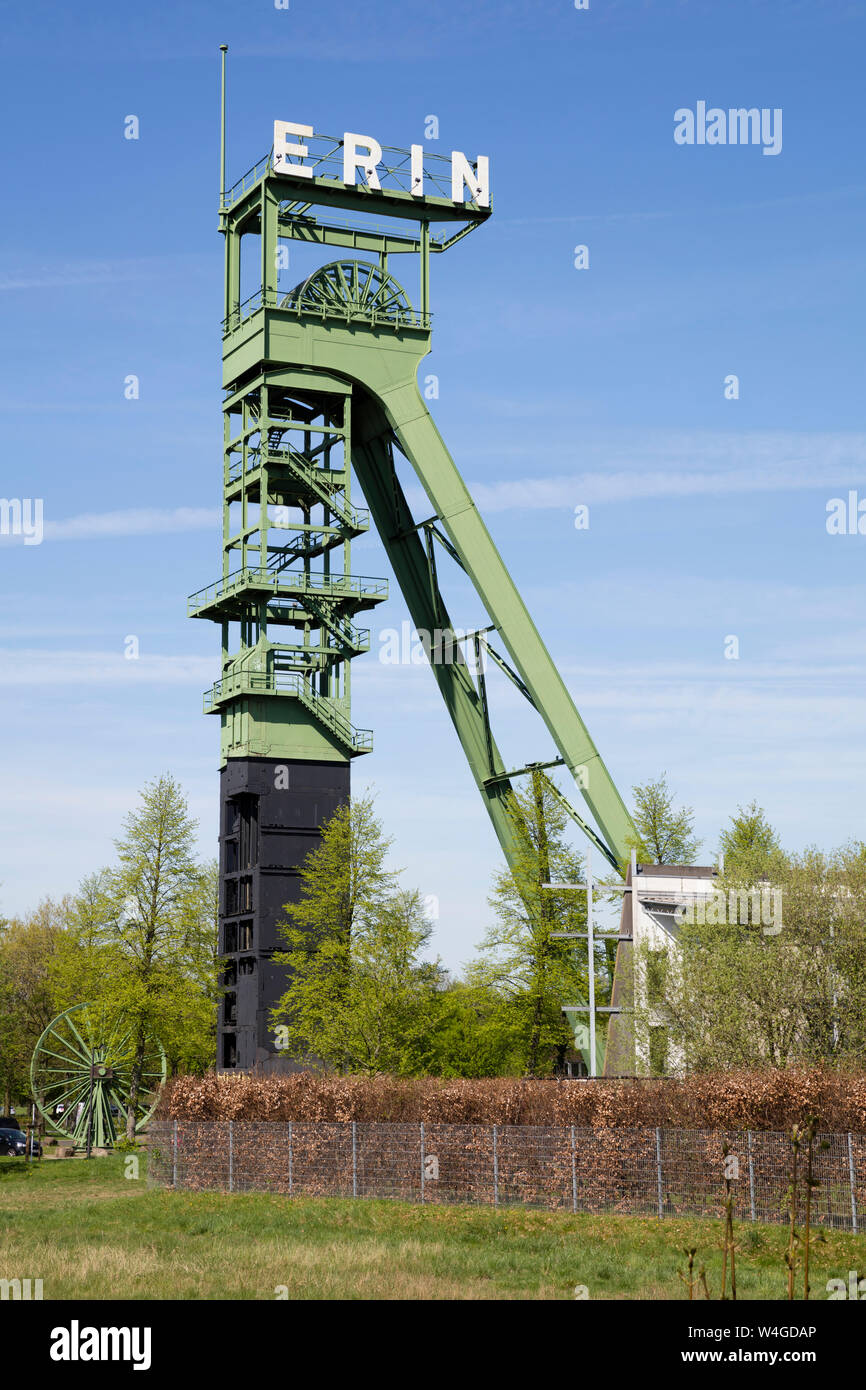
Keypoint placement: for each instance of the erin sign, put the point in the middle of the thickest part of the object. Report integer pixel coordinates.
(363, 156)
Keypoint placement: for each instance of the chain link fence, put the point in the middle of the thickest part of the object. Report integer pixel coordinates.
(649, 1172)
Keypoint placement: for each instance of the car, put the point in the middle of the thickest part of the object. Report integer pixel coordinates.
(13, 1144)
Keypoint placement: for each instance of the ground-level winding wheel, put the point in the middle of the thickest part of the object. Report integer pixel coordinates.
(82, 1070)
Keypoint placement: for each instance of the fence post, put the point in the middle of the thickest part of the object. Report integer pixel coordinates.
(852, 1180)
(661, 1200)
(231, 1154)
(495, 1167)
(174, 1158)
(422, 1160)
(751, 1177)
(354, 1159)
(291, 1159)
(573, 1173)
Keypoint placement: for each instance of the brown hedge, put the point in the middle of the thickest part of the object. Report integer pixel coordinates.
(766, 1100)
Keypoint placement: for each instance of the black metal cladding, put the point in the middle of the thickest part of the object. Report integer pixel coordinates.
(271, 814)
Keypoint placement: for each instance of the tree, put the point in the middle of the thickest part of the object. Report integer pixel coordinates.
(521, 962)
(29, 948)
(389, 1007)
(359, 997)
(475, 1032)
(156, 910)
(140, 938)
(752, 987)
(750, 845)
(665, 834)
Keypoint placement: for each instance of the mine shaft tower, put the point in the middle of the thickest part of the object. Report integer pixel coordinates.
(320, 380)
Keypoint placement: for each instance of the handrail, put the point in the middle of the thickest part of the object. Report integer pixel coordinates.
(348, 313)
(287, 581)
(356, 518)
(292, 684)
(324, 159)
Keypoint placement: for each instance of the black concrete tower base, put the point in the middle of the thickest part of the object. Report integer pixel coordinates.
(271, 814)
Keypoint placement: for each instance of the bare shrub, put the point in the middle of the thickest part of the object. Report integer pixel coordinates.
(764, 1100)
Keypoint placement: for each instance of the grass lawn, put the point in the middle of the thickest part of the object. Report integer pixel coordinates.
(90, 1232)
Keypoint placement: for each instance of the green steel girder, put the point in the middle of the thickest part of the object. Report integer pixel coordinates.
(242, 202)
(467, 705)
(334, 364)
(325, 337)
(374, 464)
(420, 441)
(384, 367)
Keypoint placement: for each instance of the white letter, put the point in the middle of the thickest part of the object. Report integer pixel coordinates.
(389, 649)
(354, 158)
(477, 179)
(717, 133)
(59, 1350)
(416, 171)
(684, 129)
(837, 517)
(141, 1348)
(282, 149)
(771, 129)
(421, 648)
(742, 124)
(32, 525)
(773, 927)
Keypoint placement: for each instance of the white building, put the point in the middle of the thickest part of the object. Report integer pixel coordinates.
(640, 1046)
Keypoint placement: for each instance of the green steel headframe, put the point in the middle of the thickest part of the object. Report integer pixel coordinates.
(321, 380)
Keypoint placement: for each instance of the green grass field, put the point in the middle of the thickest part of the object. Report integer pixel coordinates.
(90, 1232)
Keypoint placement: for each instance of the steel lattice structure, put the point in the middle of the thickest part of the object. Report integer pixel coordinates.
(318, 382)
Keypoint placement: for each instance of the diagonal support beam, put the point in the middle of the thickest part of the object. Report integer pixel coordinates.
(401, 405)
(374, 465)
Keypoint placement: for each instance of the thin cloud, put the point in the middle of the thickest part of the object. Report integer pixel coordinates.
(756, 462)
(141, 521)
(70, 274)
(628, 486)
(22, 667)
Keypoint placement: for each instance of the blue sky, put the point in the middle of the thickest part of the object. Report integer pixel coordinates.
(558, 387)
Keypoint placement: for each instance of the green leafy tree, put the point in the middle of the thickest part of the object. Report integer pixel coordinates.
(665, 833)
(29, 948)
(750, 845)
(775, 974)
(475, 1032)
(521, 962)
(359, 996)
(153, 915)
